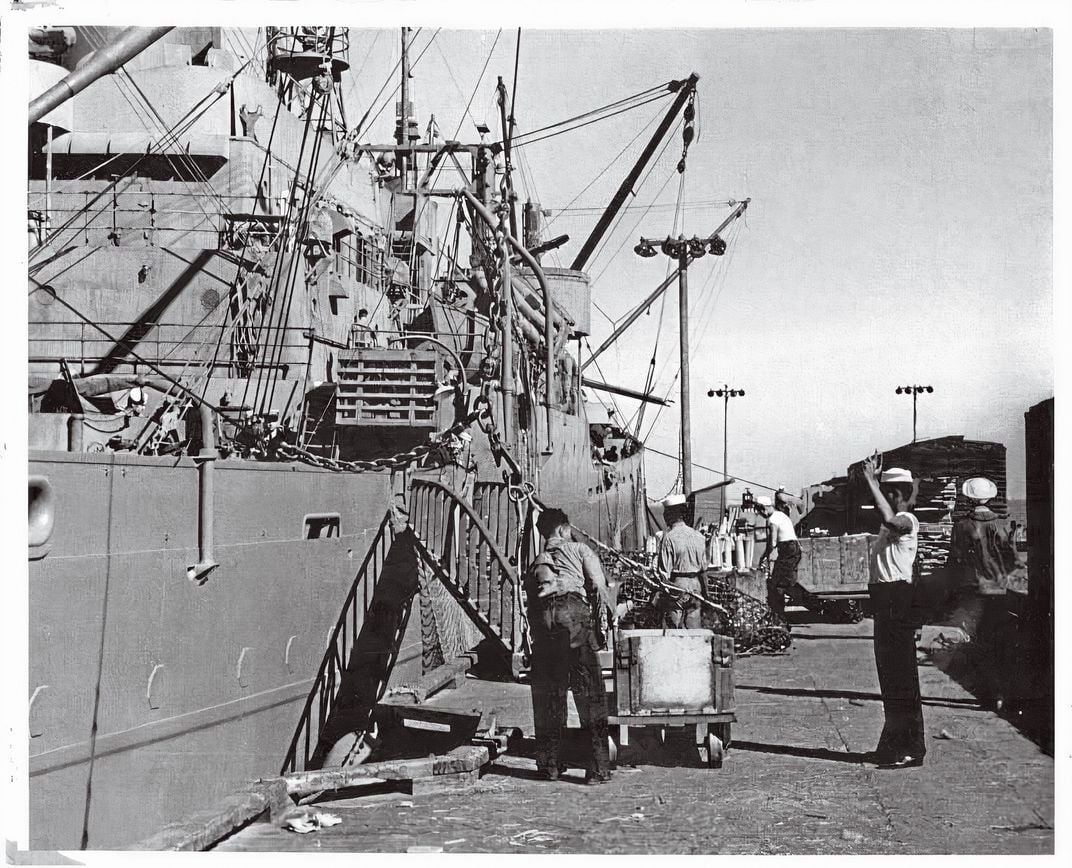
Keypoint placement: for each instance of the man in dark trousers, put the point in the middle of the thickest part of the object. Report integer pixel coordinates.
(564, 647)
(782, 543)
(893, 556)
(682, 563)
(981, 560)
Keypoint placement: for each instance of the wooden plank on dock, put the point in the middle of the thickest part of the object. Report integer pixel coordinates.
(201, 830)
(460, 759)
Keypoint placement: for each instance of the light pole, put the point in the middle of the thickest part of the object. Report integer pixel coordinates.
(725, 393)
(684, 250)
(913, 391)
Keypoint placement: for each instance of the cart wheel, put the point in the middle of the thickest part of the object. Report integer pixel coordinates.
(612, 750)
(714, 751)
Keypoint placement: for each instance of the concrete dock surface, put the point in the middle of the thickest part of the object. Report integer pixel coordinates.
(795, 780)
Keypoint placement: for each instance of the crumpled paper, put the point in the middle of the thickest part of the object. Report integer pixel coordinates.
(309, 821)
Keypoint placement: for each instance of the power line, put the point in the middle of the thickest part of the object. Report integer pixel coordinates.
(733, 476)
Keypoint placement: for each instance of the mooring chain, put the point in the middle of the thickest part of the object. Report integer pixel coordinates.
(393, 462)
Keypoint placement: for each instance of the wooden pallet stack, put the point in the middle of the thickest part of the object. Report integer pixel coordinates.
(939, 466)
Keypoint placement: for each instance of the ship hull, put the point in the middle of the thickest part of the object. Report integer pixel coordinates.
(153, 694)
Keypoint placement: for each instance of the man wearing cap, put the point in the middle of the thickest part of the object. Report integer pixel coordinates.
(782, 542)
(893, 556)
(682, 563)
(981, 558)
(564, 646)
(980, 551)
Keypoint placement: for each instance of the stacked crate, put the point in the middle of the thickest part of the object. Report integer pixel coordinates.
(389, 388)
(834, 565)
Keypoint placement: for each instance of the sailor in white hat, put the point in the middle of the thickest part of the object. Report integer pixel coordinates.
(893, 555)
(682, 561)
(782, 544)
(980, 551)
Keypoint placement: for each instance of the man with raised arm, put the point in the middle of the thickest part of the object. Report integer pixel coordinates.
(893, 556)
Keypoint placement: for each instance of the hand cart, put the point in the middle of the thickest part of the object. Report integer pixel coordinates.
(673, 678)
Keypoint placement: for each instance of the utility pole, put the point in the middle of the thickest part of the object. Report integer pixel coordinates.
(914, 391)
(725, 393)
(684, 250)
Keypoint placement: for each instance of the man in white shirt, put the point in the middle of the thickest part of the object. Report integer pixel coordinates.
(893, 556)
(782, 542)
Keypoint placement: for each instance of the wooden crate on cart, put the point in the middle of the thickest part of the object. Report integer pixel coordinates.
(671, 678)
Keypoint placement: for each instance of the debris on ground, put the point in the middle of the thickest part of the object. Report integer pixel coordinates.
(531, 836)
(306, 821)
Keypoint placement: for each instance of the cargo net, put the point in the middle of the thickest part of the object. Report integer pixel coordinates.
(754, 626)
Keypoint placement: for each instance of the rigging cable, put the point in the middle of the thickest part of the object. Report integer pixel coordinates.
(286, 237)
(620, 216)
(639, 415)
(279, 343)
(589, 122)
(476, 88)
(645, 95)
(181, 126)
(605, 169)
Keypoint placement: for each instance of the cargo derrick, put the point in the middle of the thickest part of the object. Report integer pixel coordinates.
(236, 319)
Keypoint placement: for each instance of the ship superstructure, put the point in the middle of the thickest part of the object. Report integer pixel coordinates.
(253, 333)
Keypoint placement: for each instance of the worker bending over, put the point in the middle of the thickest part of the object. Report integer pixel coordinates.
(564, 646)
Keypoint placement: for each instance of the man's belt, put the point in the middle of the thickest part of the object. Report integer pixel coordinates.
(555, 598)
(695, 575)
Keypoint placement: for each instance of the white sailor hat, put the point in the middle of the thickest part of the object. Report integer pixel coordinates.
(674, 500)
(979, 488)
(896, 474)
(763, 500)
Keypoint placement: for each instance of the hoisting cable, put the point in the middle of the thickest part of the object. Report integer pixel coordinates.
(659, 91)
(597, 211)
(268, 330)
(589, 122)
(279, 344)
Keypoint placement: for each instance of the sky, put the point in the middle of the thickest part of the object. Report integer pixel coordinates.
(900, 228)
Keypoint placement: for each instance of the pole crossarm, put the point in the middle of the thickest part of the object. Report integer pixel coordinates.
(915, 391)
(738, 210)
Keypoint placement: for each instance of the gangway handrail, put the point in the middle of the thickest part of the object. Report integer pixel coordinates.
(469, 561)
(328, 680)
